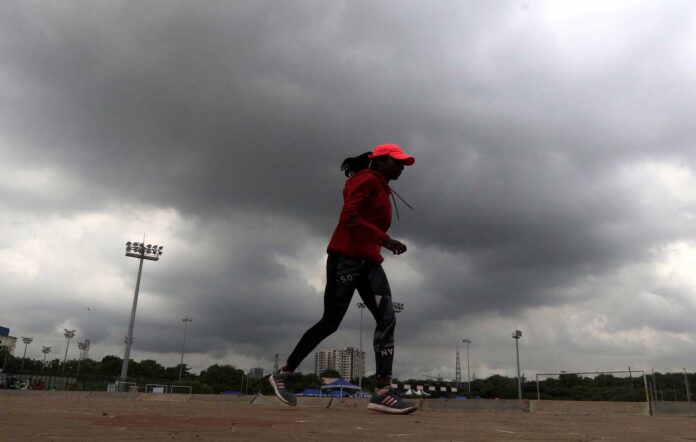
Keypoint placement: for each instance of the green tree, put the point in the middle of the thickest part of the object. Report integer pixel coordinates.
(498, 386)
(147, 368)
(369, 383)
(306, 382)
(111, 366)
(330, 374)
(222, 377)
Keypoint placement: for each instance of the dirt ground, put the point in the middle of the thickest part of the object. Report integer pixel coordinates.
(64, 418)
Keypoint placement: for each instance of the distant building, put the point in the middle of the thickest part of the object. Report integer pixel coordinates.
(348, 362)
(323, 361)
(256, 372)
(7, 341)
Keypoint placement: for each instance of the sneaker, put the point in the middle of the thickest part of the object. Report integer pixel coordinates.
(390, 402)
(282, 383)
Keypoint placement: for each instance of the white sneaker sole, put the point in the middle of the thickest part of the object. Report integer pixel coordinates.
(277, 392)
(390, 410)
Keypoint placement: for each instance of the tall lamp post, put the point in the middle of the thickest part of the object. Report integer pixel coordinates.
(26, 341)
(362, 307)
(186, 319)
(398, 308)
(245, 377)
(468, 375)
(516, 336)
(688, 390)
(69, 334)
(45, 351)
(84, 347)
(142, 252)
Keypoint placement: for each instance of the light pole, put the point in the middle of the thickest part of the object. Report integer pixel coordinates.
(517, 335)
(26, 341)
(688, 390)
(244, 377)
(398, 308)
(186, 319)
(69, 334)
(84, 347)
(654, 386)
(468, 376)
(142, 252)
(362, 307)
(45, 351)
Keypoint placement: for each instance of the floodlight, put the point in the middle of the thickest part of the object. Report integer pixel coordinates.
(142, 252)
(517, 335)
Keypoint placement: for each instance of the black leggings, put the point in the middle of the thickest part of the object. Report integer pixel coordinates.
(343, 276)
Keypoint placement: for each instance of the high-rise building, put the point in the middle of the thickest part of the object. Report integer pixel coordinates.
(323, 360)
(256, 373)
(348, 362)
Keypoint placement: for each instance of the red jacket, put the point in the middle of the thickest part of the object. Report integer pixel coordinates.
(365, 217)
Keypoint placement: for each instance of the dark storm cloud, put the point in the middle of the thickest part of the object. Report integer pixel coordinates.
(232, 113)
(185, 105)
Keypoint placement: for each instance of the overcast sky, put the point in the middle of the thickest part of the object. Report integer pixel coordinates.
(554, 187)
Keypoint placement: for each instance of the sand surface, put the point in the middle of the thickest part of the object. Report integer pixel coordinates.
(77, 418)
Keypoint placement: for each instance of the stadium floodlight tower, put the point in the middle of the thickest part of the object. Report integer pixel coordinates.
(84, 348)
(45, 351)
(186, 319)
(142, 252)
(26, 341)
(468, 375)
(516, 336)
(69, 334)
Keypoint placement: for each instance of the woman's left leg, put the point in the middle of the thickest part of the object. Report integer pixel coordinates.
(375, 293)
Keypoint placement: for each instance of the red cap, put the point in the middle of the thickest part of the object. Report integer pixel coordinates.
(393, 151)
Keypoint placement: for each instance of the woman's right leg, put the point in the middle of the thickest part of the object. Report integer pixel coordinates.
(342, 274)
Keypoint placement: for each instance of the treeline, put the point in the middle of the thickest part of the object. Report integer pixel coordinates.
(603, 387)
(88, 374)
(606, 387)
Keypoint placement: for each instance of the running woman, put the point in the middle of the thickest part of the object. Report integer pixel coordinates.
(354, 262)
